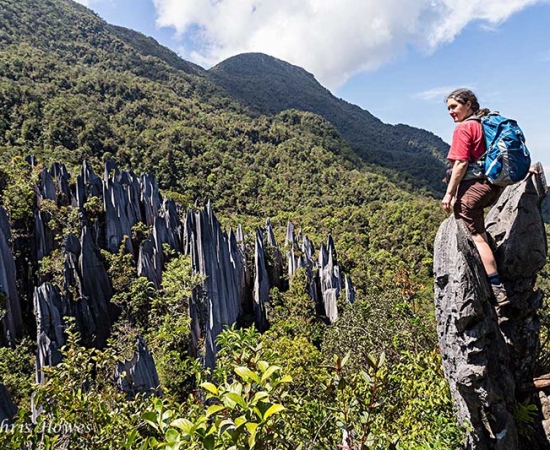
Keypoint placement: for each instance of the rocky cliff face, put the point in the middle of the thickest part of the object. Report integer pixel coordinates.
(489, 355)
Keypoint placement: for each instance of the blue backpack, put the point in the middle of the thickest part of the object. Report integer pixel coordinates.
(506, 160)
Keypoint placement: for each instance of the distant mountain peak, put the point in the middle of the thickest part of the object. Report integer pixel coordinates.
(269, 85)
(255, 63)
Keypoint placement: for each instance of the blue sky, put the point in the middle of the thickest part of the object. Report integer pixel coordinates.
(396, 58)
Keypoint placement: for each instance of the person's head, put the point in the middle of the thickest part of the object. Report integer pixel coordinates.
(462, 103)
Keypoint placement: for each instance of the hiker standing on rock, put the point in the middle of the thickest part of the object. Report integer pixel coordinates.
(468, 194)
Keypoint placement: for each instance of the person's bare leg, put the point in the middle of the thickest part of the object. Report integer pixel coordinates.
(487, 257)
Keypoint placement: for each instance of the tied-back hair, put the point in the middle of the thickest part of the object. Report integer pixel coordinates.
(464, 96)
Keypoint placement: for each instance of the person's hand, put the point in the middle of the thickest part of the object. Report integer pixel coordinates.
(447, 202)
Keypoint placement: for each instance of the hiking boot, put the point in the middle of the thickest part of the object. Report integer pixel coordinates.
(502, 301)
(499, 292)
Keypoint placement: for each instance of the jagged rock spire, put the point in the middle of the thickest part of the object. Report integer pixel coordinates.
(8, 409)
(12, 322)
(261, 284)
(49, 311)
(139, 374)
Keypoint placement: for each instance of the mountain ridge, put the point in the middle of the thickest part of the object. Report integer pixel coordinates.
(269, 85)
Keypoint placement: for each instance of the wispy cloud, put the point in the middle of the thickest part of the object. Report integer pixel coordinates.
(333, 39)
(437, 93)
(90, 2)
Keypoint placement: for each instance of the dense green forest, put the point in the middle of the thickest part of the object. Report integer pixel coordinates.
(269, 86)
(74, 88)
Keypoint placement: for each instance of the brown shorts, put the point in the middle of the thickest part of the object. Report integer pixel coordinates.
(472, 197)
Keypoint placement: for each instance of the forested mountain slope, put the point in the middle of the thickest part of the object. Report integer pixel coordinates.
(73, 87)
(270, 85)
(73, 38)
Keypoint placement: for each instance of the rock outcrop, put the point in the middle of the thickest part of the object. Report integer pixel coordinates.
(10, 307)
(139, 374)
(217, 304)
(49, 312)
(325, 283)
(8, 409)
(488, 357)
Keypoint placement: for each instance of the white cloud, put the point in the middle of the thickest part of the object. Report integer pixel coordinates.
(438, 93)
(87, 3)
(333, 39)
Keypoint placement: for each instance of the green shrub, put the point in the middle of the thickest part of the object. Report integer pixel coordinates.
(79, 406)
(17, 371)
(420, 411)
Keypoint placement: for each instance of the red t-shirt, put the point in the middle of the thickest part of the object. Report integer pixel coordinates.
(468, 142)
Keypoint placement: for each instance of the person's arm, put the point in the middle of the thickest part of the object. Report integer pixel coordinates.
(459, 170)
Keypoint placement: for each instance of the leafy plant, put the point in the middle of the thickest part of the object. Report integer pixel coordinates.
(245, 410)
(78, 405)
(419, 410)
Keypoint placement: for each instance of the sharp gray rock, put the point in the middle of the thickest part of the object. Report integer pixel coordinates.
(88, 184)
(138, 375)
(79, 307)
(70, 266)
(31, 160)
(49, 311)
(308, 261)
(475, 355)
(110, 167)
(296, 262)
(8, 409)
(44, 238)
(62, 179)
(189, 229)
(149, 262)
(96, 287)
(174, 226)
(275, 261)
(289, 239)
(11, 317)
(331, 249)
(121, 200)
(168, 228)
(516, 226)
(261, 284)
(238, 261)
(293, 262)
(218, 303)
(307, 249)
(132, 187)
(46, 187)
(330, 280)
(323, 256)
(240, 236)
(488, 357)
(244, 275)
(350, 290)
(150, 197)
(324, 284)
